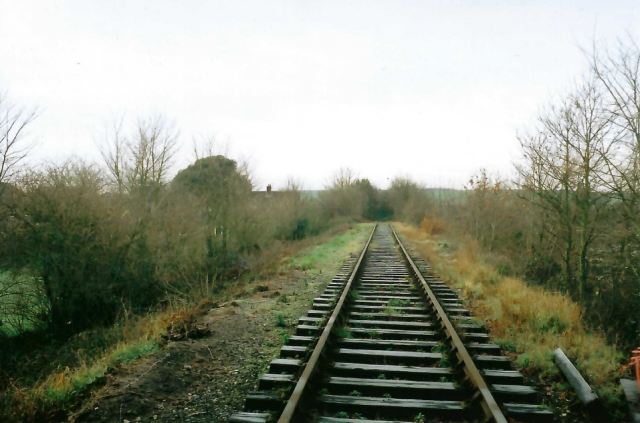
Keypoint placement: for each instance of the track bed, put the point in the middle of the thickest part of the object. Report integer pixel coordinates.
(388, 341)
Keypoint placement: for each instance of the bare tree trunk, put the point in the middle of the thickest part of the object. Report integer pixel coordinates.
(567, 220)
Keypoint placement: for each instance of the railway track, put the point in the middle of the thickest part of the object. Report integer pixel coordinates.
(389, 341)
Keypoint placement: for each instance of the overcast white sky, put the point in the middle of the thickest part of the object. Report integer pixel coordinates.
(433, 89)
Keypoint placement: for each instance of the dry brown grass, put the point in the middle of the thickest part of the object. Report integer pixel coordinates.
(432, 225)
(528, 319)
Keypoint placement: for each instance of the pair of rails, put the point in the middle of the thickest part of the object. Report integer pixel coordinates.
(389, 341)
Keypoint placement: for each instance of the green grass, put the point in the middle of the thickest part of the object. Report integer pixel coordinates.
(355, 295)
(134, 351)
(343, 332)
(506, 344)
(419, 418)
(396, 302)
(325, 256)
(63, 387)
(373, 334)
(121, 344)
(440, 348)
(77, 381)
(280, 322)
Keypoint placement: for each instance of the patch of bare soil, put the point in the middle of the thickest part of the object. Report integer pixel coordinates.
(207, 379)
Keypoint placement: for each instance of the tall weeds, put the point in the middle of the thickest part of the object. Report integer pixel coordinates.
(535, 321)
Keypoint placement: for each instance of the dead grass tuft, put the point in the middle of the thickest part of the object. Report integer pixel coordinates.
(432, 225)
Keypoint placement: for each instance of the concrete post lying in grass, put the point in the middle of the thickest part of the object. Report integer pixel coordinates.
(582, 388)
(633, 398)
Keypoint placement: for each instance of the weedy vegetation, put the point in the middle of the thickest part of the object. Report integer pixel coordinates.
(523, 318)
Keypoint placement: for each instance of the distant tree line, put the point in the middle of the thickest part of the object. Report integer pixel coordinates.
(347, 195)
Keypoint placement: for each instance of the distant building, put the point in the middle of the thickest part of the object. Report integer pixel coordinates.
(273, 195)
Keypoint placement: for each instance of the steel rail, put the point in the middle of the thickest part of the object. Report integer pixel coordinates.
(489, 404)
(288, 414)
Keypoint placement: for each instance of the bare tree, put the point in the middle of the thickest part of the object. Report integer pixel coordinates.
(114, 152)
(619, 73)
(592, 138)
(293, 184)
(566, 161)
(143, 158)
(291, 202)
(341, 195)
(152, 152)
(16, 294)
(13, 147)
(485, 204)
(247, 168)
(548, 178)
(343, 178)
(209, 146)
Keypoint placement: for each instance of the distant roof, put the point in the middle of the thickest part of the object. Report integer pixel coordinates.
(310, 194)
